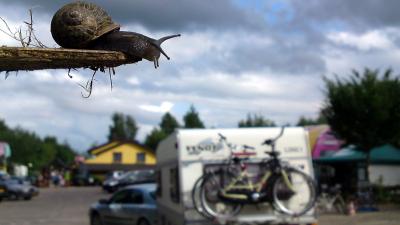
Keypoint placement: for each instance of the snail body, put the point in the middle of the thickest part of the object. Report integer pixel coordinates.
(85, 25)
(133, 44)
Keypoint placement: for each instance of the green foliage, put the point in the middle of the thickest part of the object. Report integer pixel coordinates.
(123, 127)
(256, 121)
(28, 148)
(382, 194)
(64, 156)
(155, 136)
(192, 119)
(303, 121)
(168, 123)
(364, 109)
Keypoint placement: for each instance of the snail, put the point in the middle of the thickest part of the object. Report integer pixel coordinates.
(85, 25)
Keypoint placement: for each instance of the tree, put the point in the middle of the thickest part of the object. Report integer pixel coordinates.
(192, 119)
(256, 121)
(64, 156)
(29, 148)
(364, 110)
(303, 121)
(123, 127)
(155, 136)
(168, 123)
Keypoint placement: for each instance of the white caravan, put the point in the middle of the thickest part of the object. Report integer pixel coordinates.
(183, 156)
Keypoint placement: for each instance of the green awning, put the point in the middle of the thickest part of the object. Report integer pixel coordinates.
(386, 154)
(347, 154)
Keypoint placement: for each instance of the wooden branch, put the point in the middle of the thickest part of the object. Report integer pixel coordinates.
(16, 58)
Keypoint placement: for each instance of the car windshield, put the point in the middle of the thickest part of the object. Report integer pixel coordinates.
(13, 181)
(4, 176)
(138, 175)
(128, 175)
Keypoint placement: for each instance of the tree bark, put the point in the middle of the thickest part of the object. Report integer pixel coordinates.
(16, 58)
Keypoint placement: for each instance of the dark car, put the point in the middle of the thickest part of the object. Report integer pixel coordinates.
(133, 204)
(18, 188)
(3, 191)
(3, 188)
(129, 178)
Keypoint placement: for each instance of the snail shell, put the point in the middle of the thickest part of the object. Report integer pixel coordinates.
(77, 24)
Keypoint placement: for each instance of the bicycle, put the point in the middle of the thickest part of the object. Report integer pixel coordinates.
(331, 200)
(223, 192)
(229, 167)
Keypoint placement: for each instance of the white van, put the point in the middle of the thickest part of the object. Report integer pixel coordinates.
(183, 156)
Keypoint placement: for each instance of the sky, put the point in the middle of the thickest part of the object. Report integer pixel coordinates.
(234, 57)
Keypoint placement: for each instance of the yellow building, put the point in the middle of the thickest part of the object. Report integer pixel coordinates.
(119, 155)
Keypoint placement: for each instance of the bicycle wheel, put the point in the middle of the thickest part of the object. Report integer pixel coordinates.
(298, 199)
(212, 205)
(196, 196)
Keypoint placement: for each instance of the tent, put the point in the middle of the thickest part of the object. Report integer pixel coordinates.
(386, 154)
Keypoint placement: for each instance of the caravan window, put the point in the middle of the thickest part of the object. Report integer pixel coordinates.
(174, 184)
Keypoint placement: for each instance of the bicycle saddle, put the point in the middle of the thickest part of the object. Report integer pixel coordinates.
(268, 142)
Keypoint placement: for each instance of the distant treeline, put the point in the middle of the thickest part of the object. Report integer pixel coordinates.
(31, 150)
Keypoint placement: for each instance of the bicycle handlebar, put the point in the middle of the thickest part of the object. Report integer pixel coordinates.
(222, 136)
(273, 140)
(245, 147)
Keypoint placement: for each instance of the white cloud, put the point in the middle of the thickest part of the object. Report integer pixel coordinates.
(163, 108)
(375, 39)
(134, 81)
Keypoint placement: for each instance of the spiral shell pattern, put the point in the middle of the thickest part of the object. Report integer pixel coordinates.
(76, 24)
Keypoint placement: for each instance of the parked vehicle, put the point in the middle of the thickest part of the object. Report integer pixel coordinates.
(18, 188)
(114, 174)
(187, 154)
(129, 178)
(3, 191)
(3, 188)
(133, 204)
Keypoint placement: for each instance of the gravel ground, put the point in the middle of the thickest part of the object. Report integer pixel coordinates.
(69, 206)
(53, 206)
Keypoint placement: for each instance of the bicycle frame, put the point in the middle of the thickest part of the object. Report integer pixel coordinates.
(274, 167)
(250, 186)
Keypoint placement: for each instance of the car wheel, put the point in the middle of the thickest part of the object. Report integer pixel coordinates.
(27, 198)
(95, 220)
(14, 196)
(143, 222)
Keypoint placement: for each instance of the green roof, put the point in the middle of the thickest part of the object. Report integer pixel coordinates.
(386, 154)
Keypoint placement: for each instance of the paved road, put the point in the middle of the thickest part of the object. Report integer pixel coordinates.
(69, 206)
(387, 217)
(53, 206)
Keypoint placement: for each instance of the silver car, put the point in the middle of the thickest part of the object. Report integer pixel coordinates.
(17, 188)
(133, 205)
